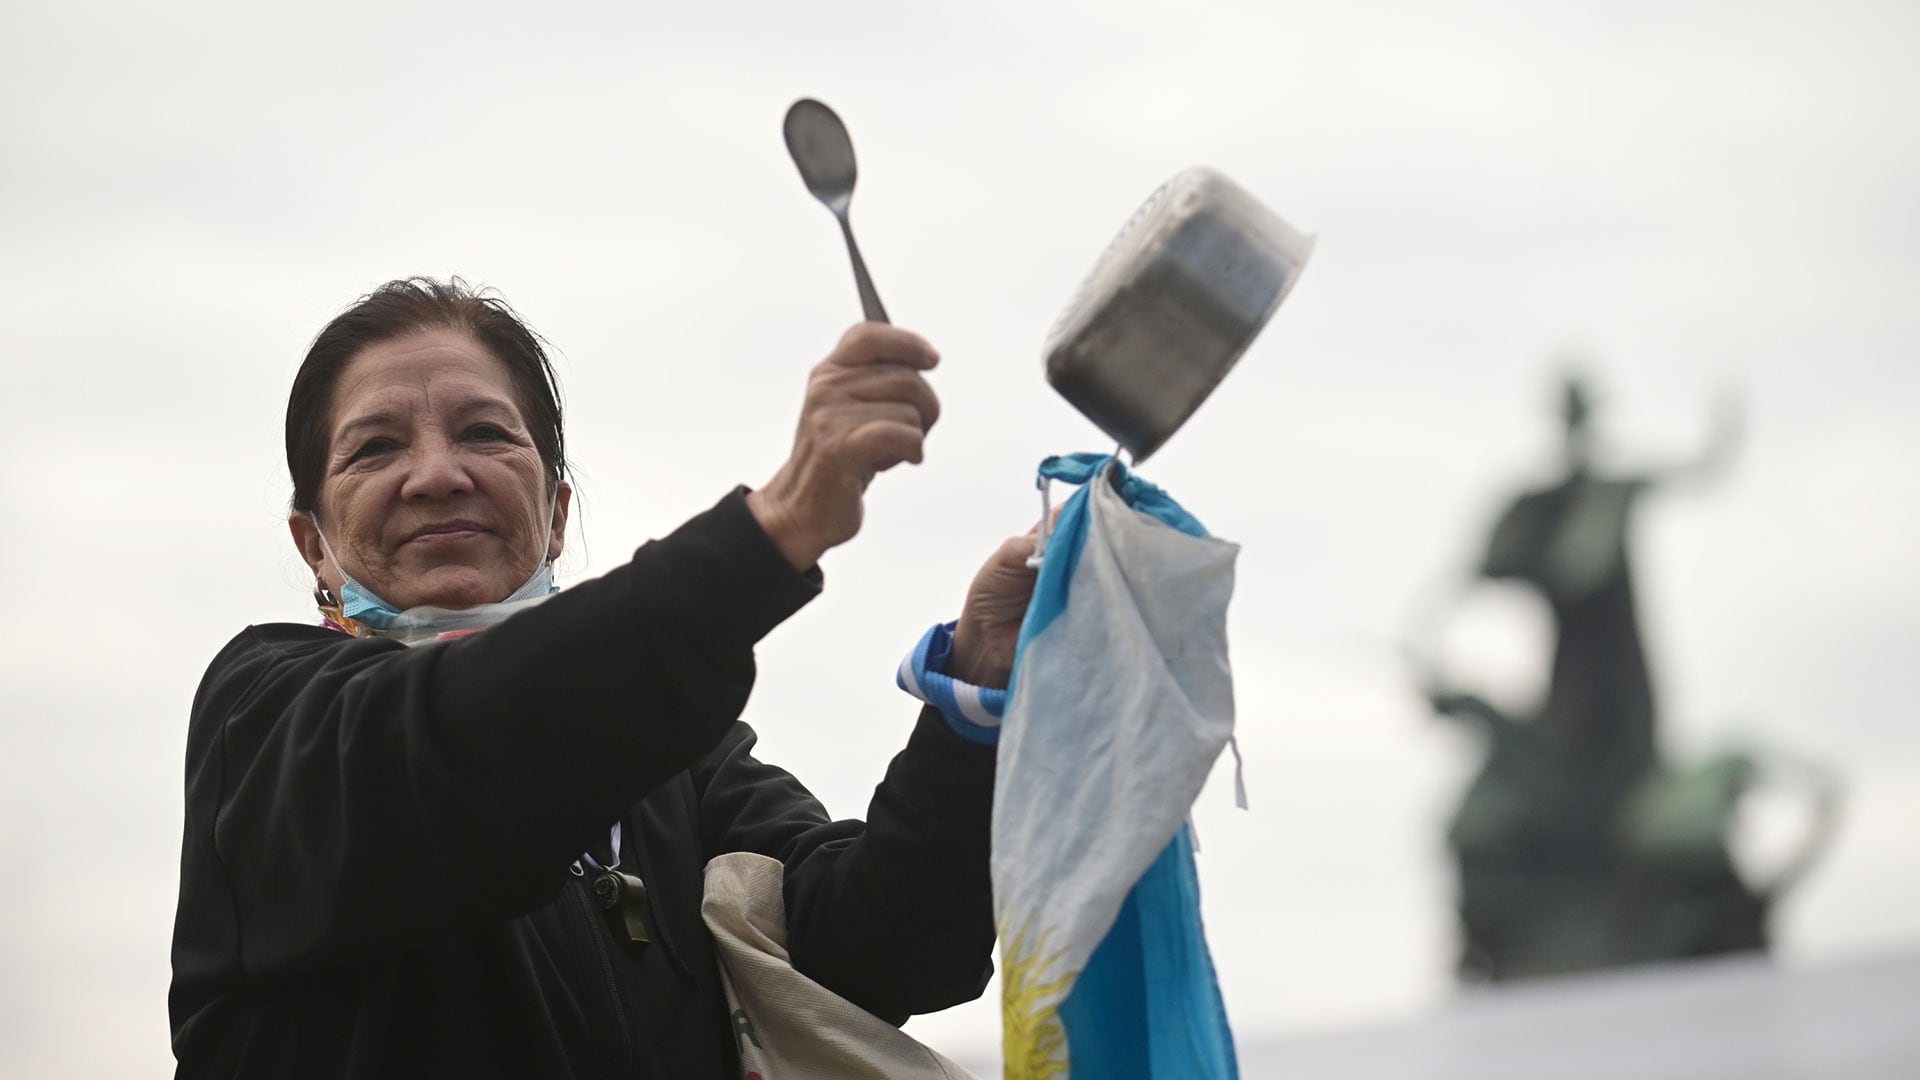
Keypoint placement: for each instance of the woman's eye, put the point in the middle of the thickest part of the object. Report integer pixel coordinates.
(487, 433)
(373, 448)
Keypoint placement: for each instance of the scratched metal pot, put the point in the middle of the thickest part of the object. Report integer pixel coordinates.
(1171, 305)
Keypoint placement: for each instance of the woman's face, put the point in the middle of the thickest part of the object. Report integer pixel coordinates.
(433, 491)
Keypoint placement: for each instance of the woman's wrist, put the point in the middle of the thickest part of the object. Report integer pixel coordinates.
(971, 711)
(800, 546)
(975, 661)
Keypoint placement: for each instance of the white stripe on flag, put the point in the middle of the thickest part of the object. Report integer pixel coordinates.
(907, 679)
(967, 696)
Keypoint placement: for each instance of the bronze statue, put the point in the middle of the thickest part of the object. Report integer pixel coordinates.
(1577, 847)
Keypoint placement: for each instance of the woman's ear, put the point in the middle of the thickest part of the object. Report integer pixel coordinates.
(557, 537)
(306, 538)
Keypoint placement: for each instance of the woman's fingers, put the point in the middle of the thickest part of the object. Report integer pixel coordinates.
(835, 388)
(858, 434)
(872, 414)
(867, 409)
(879, 445)
(988, 631)
(890, 382)
(872, 343)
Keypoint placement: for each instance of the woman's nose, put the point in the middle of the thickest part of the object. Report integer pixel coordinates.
(437, 471)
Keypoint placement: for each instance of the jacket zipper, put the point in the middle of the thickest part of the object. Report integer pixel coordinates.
(615, 993)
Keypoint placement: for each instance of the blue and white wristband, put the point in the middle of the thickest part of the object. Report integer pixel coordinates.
(973, 712)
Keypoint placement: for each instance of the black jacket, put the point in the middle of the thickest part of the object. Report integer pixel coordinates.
(376, 871)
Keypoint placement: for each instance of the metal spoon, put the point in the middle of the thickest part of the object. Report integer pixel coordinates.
(821, 148)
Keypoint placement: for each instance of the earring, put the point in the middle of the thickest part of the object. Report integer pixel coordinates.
(323, 596)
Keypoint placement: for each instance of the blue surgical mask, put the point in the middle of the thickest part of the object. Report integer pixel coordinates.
(364, 606)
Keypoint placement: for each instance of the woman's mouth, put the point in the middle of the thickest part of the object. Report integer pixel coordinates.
(450, 532)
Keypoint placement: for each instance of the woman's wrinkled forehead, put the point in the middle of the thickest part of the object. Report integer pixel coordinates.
(435, 373)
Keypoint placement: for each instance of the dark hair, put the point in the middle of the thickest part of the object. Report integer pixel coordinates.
(395, 310)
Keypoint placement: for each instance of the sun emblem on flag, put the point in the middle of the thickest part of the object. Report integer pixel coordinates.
(1033, 1041)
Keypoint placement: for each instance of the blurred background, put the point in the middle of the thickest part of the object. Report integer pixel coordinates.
(1688, 200)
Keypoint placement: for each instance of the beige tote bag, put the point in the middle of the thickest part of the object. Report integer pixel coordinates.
(787, 1026)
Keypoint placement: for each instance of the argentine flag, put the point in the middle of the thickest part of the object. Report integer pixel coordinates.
(1120, 702)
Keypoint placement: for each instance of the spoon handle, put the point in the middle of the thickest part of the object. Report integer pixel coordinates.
(869, 300)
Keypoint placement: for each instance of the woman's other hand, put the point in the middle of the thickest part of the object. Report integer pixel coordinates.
(989, 626)
(867, 409)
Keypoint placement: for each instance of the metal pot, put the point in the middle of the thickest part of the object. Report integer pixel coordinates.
(1171, 305)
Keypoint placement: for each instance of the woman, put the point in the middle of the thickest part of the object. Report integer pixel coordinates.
(390, 852)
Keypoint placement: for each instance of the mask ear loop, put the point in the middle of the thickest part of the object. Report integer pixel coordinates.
(553, 513)
(328, 548)
(333, 610)
(546, 560)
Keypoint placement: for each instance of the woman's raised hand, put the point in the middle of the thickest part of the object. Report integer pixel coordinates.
(988, 631)
(867, 409)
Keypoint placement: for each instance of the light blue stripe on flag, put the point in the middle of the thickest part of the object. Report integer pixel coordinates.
(1148, 1005)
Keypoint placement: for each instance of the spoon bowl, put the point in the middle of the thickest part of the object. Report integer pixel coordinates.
(822, 150)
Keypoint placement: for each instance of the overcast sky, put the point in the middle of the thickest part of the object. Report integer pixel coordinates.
(1694, 198)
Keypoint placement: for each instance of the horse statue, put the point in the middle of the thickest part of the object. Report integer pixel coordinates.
(1577, 846)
